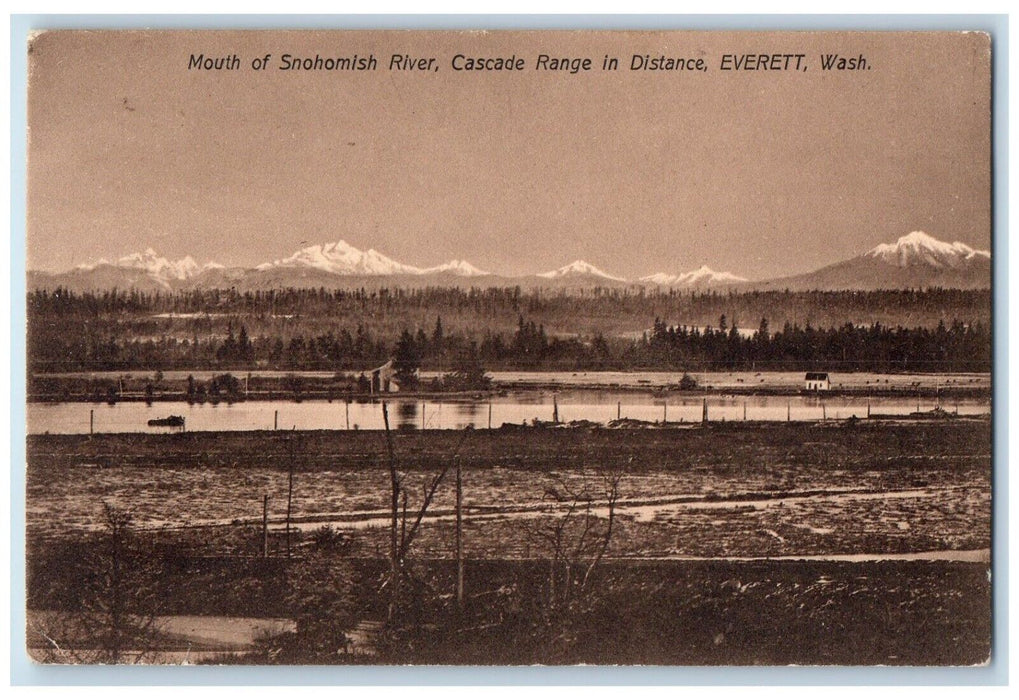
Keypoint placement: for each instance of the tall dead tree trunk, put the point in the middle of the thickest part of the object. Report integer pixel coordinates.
(394, 517)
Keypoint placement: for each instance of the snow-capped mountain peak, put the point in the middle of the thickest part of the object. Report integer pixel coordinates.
(919, 248)
(579, 267)
(703, 275)
(343, 259)
(157, 267)
(456, 267)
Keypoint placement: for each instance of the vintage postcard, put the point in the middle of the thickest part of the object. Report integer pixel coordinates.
(509, 347)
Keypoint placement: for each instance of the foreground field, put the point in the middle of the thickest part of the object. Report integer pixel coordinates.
(730, 543)
(675, 613)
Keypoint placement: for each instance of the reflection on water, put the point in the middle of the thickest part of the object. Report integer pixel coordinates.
(406, 412)
(514, 408)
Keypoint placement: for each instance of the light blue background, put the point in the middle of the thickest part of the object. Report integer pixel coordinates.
(24, 672)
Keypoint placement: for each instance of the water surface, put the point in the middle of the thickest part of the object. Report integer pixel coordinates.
(514, 408)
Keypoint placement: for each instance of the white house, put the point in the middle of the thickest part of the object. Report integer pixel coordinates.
(817, 381)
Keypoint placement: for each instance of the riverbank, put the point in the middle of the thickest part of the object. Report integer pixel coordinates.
(264, 385)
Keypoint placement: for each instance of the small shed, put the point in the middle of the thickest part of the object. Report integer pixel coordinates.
(383, 379)
(817, 381)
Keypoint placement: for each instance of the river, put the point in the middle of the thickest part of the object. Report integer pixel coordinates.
(515, 407)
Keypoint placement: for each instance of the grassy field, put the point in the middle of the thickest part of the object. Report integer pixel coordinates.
(747, 613)
(664, 612)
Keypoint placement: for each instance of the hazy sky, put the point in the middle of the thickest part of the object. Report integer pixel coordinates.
(759, 173)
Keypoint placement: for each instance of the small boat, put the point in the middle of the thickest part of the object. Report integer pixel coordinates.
(168, 422)
(936, 413)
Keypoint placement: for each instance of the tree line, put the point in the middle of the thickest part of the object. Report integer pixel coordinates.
(386, 312)
(955, 347)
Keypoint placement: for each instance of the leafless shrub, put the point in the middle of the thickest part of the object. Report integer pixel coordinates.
(112, 617)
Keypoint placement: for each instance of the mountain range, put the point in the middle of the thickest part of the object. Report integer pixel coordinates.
(916, 260)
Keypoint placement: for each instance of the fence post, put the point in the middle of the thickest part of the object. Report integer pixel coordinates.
(265, 526)
(459, 537)
(290, 489)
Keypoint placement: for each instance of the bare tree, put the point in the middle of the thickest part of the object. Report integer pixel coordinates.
(403, 528)
(575, 535)
(578, 535)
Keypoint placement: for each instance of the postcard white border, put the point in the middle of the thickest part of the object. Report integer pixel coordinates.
(24, 672)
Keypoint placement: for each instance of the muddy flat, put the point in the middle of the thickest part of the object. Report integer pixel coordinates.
(733, 490)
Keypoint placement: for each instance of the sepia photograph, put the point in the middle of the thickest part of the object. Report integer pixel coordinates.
(509, 348)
